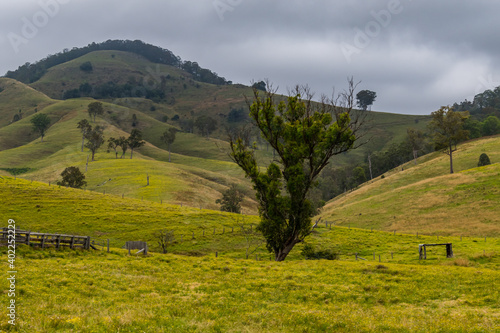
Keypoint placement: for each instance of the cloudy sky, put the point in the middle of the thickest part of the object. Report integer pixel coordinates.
(416, 55)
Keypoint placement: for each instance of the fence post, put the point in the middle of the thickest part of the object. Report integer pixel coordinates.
(379, 258)
(223, 230)
(193, 234)
(356, 255)
(216, 254)
(373, 255)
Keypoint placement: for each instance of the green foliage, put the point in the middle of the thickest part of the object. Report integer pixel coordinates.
(309, 252)
(483, 160)
(261, 85)
(95, 109)
(40, 123)
(365, 98)
(231, 200)
(237, 115)
(491, 126)
(447, 127)
(205, 124)
(305, 136)
(17, 171)
(95, 138)
(86, 67)
(72, 177)
(168, 137)
(135, 141)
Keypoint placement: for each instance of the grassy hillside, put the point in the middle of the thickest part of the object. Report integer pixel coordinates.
(169, 293)
(425, 198)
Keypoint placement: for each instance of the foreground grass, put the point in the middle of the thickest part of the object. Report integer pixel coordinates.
(77, 291)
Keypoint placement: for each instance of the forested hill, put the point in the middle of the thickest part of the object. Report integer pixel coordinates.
(29, 73)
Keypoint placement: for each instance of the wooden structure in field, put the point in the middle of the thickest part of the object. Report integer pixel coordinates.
(45, 240)
(422, 250)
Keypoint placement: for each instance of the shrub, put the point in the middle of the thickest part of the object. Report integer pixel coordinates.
(72, 177)
(311, 254)
(86, 66)
(483, 160)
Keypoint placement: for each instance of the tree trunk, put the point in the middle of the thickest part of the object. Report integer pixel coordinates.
(83, 140)
(131, 153)
(415, 155)
(370, 166)
(169, 152)
(283, 253)
(93, 152)
(451, 158)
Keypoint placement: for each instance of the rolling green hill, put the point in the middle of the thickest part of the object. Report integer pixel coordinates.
(425, 198)
(200, 159)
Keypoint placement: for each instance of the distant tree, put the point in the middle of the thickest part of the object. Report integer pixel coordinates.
(113, 144)
(169, 137)
(236, 115)
(85, 128)
(40, 123)
(483, 160)
(135, 141)
(175, 117)
(72, 177)
(358, 176)
(474, 127)
(85, 89)
(164, 119)
(365, 98)
(490, 126)
(231, 200)
(18, 116)
(261, 85)
(95, 139)
(447, 127)
(134, 120)
(164, 239)
(206, 125)
(122, 142)
(416, 139)
(73, 93)
(94, 109)
(86, 67)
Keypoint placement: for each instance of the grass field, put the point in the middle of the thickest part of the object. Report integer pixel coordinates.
(426, 198)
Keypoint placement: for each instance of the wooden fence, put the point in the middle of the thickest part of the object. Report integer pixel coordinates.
(44, 240)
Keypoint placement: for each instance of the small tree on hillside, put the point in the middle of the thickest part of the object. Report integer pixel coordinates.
(95, 139)
(85, 128)
(231, 200)
(206, 125)
(135, 141)
(447, 127)
(169, 137)
(94, 109)
(41, 123)
(416, 139)
(483, 160)
(122, 142)
(72, 177)
(113, 144)
(164, 239)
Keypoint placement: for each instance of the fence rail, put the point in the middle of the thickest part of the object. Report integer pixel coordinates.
(44, 240)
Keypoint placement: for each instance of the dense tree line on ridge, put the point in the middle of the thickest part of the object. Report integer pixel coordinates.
(29, 73)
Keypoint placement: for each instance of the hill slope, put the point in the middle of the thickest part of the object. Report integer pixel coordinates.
(425, 198)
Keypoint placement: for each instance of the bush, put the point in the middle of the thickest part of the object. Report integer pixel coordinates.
(310, 253)
(86, 66)
(72, 177)
(483, 160)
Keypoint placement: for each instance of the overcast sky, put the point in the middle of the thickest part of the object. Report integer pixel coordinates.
(416, 55)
